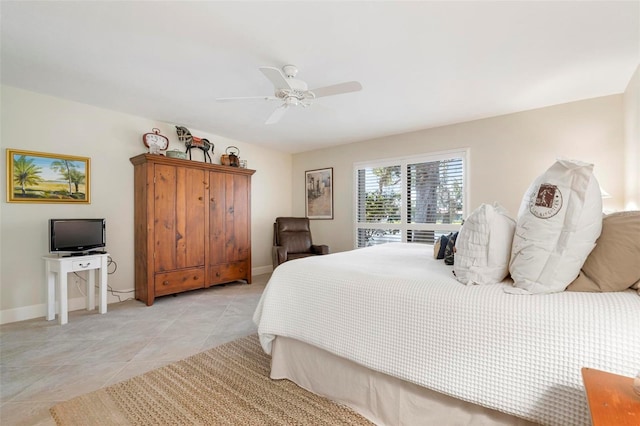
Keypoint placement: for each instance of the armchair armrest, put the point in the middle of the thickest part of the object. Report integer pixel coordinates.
(320, 249)
(278, 255)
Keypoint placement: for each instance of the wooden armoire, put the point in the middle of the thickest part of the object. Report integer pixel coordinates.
(192, 225)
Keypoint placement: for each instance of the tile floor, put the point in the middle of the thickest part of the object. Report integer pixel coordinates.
(43, 363)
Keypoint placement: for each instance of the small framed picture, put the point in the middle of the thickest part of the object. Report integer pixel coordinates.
(319, 193)
(39, 177)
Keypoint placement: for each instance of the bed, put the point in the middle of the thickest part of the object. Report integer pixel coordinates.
(388, 331)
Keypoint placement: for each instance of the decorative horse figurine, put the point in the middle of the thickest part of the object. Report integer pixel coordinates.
(184, 135)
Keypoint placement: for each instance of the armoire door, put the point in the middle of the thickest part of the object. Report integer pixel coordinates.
(180, 214)
(229, 238)
(237, 218)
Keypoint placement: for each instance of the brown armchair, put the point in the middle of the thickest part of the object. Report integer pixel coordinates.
(292, 240)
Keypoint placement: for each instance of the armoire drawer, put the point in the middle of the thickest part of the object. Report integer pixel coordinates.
(228, 272)
(174, 282)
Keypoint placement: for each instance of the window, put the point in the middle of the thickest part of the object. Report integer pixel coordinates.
(414, 199)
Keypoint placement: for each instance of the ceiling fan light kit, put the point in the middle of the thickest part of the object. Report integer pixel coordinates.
(293, 92)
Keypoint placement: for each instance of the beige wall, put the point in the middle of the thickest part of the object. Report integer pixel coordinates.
(632, 142)
(41, 123)
(506, 154)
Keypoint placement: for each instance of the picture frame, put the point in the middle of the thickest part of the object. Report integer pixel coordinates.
(319, 193)
(40, 177)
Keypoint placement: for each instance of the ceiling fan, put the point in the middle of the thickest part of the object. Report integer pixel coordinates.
(293, 92)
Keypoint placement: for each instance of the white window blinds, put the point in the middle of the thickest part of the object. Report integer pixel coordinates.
(415, 199)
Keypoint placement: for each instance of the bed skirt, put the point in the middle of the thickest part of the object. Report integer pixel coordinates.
(382, 399)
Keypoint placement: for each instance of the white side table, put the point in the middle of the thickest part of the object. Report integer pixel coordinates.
(57, 269)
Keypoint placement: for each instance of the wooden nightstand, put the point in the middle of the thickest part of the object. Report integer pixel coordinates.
(611, 398)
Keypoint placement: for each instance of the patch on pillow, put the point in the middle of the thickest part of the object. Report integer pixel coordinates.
(450, 250)
(614, 264)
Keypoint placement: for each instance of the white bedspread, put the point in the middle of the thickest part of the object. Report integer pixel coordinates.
(395, 309)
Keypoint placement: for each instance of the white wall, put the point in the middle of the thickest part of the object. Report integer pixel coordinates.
(632, 142)
(36, 122)
(506, 154)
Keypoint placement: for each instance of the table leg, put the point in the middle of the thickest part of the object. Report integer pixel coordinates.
(51, 293)
(91, 290)
(63, 316)
(102, 286)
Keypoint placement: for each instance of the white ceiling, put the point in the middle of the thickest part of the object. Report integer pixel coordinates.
(421, 64)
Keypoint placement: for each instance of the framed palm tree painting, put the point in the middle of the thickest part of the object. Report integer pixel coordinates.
(39, 177)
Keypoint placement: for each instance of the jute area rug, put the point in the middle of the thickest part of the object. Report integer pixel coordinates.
(226, 385)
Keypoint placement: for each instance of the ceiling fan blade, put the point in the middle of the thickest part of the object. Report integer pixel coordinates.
(276, 77)
(337, 89)
(249, 98)
(277, 114)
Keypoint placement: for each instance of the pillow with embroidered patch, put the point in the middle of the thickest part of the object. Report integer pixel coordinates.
(559, 221)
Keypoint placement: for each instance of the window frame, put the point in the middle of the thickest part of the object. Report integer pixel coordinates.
(403, 162)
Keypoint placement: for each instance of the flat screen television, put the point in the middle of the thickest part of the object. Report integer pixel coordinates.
(77, 236)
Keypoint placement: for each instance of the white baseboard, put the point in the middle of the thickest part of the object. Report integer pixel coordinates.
(261, 270)
(36, 311)
(23, 313)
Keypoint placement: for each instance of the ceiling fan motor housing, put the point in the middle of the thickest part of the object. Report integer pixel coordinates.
(297, 85)
(290, 70)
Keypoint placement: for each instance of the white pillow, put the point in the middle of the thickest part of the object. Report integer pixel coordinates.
(559, 221)
(483, 247)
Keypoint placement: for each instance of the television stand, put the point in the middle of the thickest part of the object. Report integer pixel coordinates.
(57, 269)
